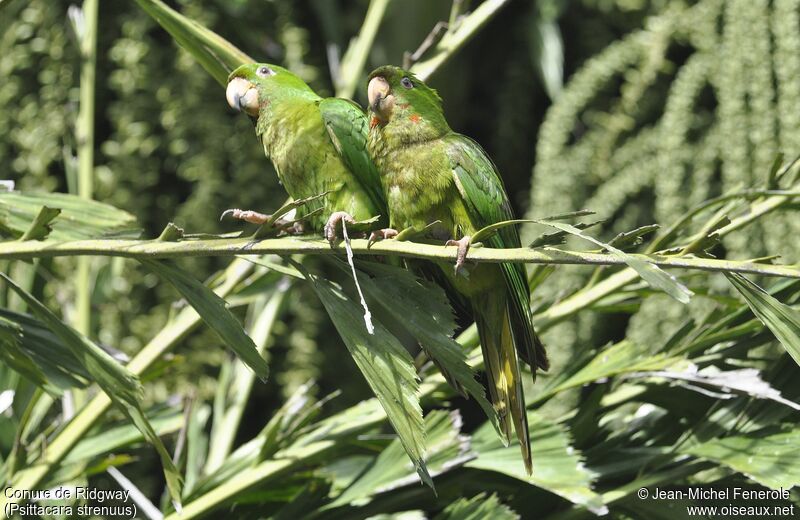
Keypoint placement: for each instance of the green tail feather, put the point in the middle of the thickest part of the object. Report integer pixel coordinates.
(501, 362)
(529, 346)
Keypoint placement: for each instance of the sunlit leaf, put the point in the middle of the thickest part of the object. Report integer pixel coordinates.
(745, 381)
(557, 466)
(214, 312)
(769, 456)
(402, 515)
(620, 358)
(478, 507)
(283, 425)
(423, 310)
(171, 233)
(121, 386)
(652, 274)
(633, 237)
(386, 365)
(41, 226)
(115, 438)
(559, 237)
(196, 444)
(781, 319)
(344, 426)
(79, 218)
(447, 449)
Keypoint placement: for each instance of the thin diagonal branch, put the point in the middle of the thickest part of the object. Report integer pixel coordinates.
(456, 37)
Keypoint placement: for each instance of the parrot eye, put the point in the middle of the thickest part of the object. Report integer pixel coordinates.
(265, 71)
(406, 83)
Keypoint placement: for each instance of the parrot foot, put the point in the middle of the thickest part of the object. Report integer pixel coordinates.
(463, 246)
(287, 227)
(252, 217)
(334, 221)
(291, 228)
(381, 234)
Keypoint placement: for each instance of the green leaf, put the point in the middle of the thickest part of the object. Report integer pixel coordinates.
(558, 237)
(632, 238)
(40, 227)
(196, 444)
(570, 215)
(620, 358)
(213, 310)
(171, 233)
(18, 360)
(772, 176)
(746, 381)
(557, 466)
(652, 274)
(282, 427)
(214, 53)
(769, 456)
(782, 320)
(347, 423)
(344, 426)
(114, 379)
(386, 365)
(30, 348)
(447, 449)
(115, 438)
(79, 218)
(121, 386)
(423, 309)
(477, 508)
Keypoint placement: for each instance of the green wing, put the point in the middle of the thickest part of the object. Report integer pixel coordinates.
(486, 201)
(348, 128)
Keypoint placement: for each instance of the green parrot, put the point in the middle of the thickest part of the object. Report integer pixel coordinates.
(431, 174)
(316, 145)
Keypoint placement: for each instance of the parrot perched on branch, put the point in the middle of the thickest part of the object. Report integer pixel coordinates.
(316, 145)
(443, 184)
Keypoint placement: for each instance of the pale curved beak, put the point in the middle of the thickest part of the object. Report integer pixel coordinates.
(242, 95)
(378, 91)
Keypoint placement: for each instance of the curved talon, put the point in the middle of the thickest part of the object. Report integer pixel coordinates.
(381, 234)
(334, 220)
(463, 247)
(252, 217)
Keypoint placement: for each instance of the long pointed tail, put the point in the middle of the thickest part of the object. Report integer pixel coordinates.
(503, 373)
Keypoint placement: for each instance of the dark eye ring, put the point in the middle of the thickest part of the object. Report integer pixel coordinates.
(406, 83)
(265, 71)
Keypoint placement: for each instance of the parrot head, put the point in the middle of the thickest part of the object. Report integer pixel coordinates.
(255, 86)
(398, 98)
